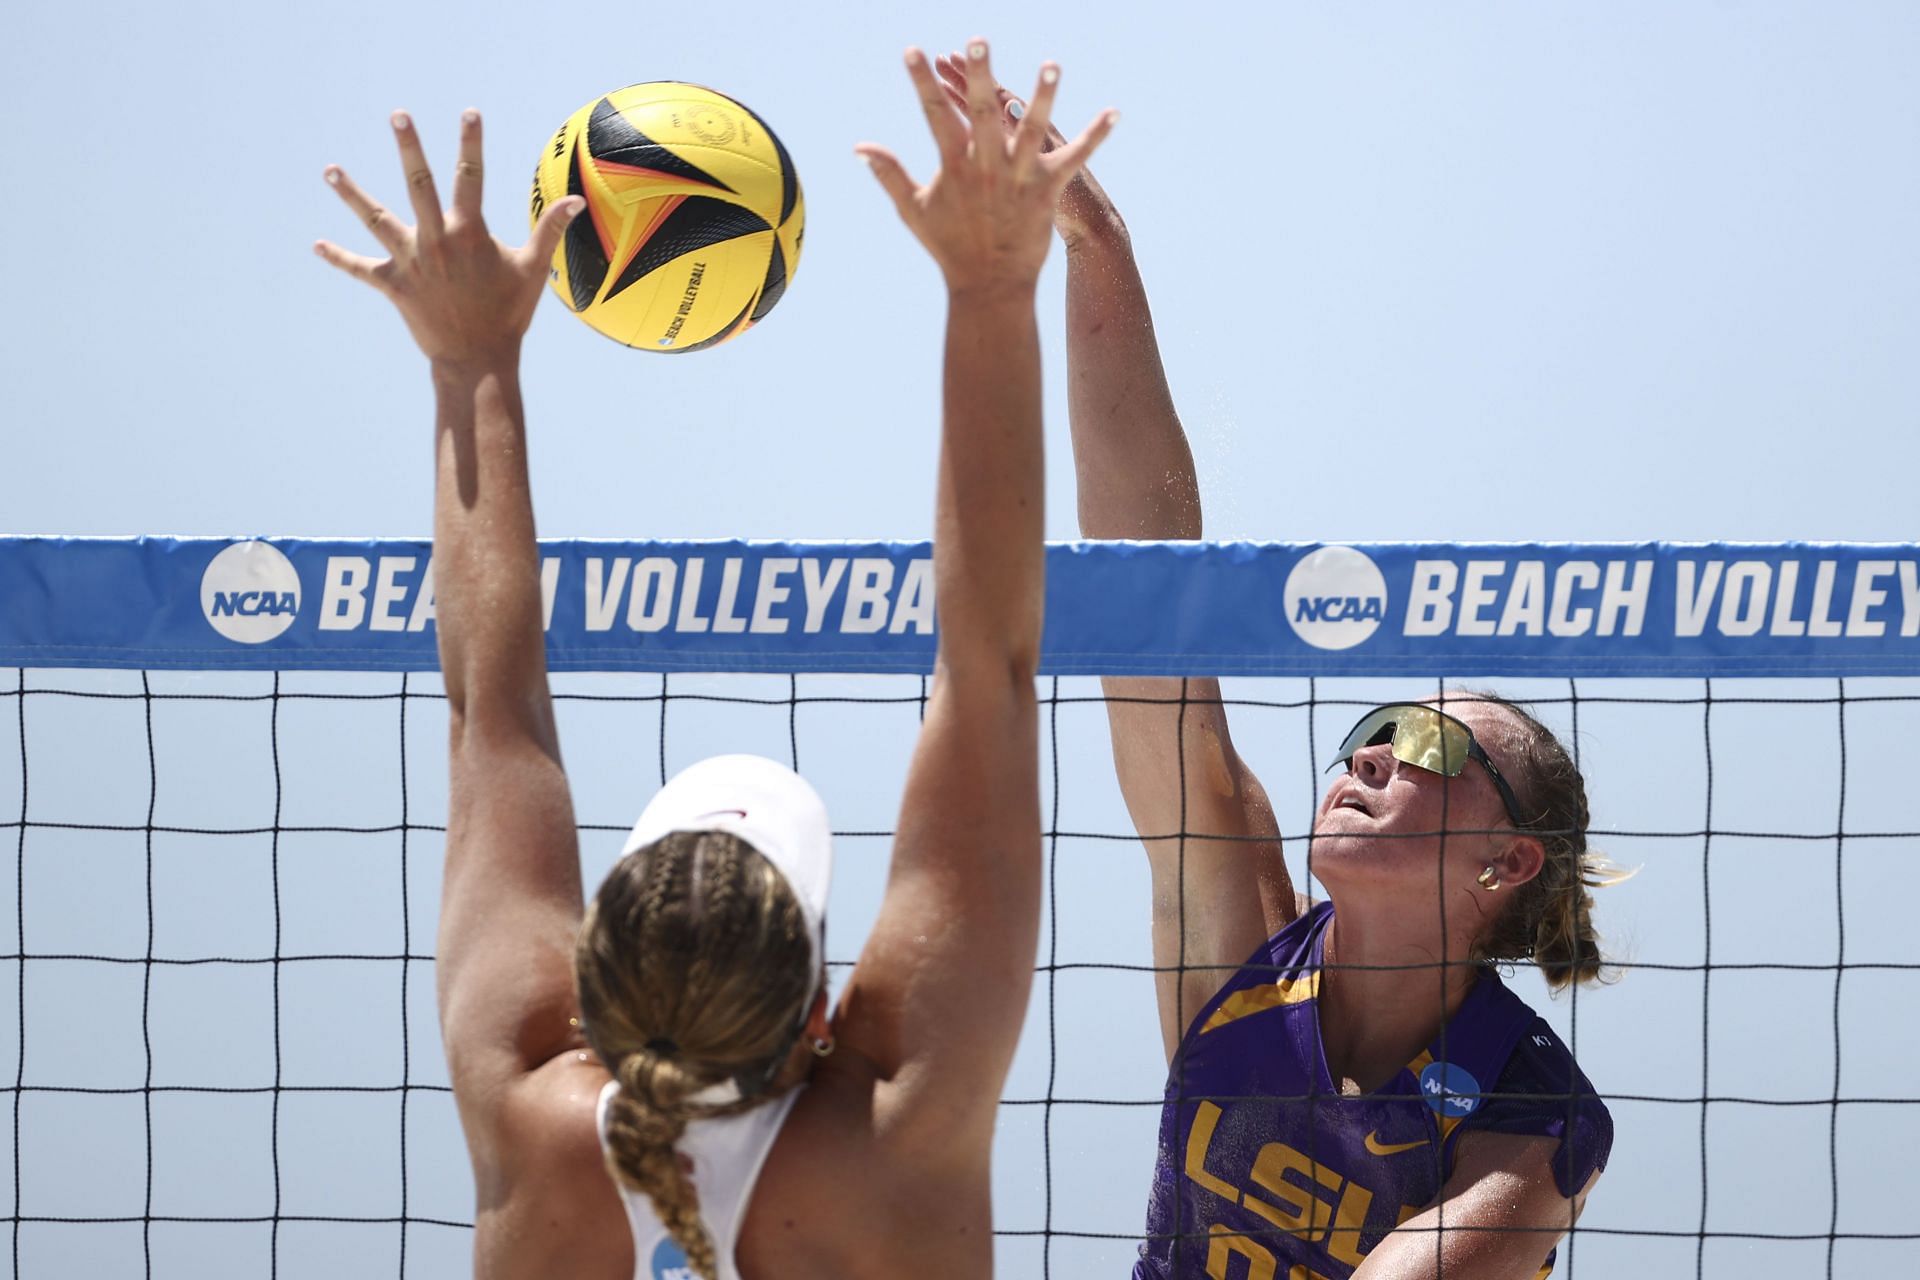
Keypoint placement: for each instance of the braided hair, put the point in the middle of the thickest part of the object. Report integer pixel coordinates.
(694, 966)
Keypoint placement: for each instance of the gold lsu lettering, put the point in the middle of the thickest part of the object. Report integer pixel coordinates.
(1302, 1197)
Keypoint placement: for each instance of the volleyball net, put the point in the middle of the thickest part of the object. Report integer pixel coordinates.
(223, 771)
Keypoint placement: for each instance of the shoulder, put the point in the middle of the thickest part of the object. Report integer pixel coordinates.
(855, 1186)
(1292, 953)
(545, 1203)
(1541, 1061)
(1297, 947)
(1542, 1093)
(1297, 936)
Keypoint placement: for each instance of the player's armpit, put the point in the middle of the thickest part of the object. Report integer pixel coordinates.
(1498, 1217)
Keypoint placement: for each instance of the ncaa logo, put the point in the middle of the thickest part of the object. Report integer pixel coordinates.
(250, 592)
(670, 1262)
(1335, 598)
(1450, 1090)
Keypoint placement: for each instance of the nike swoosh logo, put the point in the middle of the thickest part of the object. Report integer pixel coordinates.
(723, 813)
(1380, 1148)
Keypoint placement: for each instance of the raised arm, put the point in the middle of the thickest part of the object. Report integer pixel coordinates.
(1172, 751)
(940, 991)
(511, 897)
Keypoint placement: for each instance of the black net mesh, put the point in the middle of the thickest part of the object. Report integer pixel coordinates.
(224, 1054)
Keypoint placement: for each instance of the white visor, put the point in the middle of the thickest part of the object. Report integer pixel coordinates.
(766, 804)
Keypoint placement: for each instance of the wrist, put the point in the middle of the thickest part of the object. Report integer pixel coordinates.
(450, 374)
(1103, 233)
(1014, 291)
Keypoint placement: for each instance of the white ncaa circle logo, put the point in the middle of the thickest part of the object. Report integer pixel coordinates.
(1335, 598)
(250, 592)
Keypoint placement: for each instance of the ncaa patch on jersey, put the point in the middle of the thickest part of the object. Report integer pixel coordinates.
(670, 1262)
(1449, 1090)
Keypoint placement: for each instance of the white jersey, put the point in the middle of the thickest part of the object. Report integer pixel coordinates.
(727, 1154)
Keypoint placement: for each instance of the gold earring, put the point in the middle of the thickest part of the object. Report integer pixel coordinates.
(1488, 880)
(821, 1046)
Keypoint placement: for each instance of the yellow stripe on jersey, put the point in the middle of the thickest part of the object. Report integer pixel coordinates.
(1270, 995)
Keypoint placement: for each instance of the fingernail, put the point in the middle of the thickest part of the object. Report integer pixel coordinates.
(1113, 118)
(469, 117)
(1049, 75)
(977, 50)
(332, 175)
(1015, 108)
(400, 120)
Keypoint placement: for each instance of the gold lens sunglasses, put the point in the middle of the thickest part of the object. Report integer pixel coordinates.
(1426, 739)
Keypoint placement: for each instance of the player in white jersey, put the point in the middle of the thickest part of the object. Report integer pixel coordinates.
(676, 1018)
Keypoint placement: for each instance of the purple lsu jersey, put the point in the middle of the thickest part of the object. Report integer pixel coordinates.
(1267, 1172)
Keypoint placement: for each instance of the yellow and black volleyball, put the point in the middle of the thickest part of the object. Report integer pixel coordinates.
(693, 222)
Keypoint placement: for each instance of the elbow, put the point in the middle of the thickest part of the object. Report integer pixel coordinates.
(497, 724)
(1008, 674)
(1010, 653)
(1023, 662)
(991, 645)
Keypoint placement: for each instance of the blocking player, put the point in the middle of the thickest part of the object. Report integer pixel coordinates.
(1352, 1091)
(675, 1031)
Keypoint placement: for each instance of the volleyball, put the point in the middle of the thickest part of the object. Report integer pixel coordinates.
(693, 222)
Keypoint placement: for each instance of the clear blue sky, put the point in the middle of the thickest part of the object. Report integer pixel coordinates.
(1507, 271)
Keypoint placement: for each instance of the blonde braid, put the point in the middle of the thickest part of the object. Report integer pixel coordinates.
(644, 1122)
(694, 966)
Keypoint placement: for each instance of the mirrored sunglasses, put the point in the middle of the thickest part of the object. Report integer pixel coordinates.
(1429, 739)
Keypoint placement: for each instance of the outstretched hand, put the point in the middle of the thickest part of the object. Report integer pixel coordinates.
(466, 297)
(985, 214)
(1083, 205)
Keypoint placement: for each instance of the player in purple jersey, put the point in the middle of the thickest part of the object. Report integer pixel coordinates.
(1346, 1102)
(1353, 1091)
